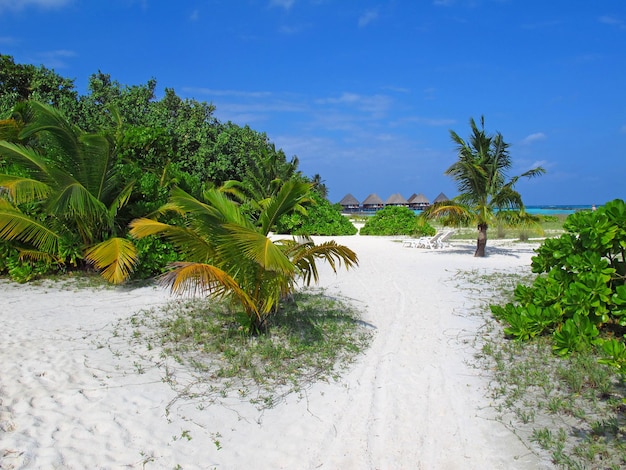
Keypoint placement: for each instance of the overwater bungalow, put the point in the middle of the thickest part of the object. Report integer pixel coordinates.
(373, 202)
(418, 202)
(350, 204)
(441, 198)
(396, 200)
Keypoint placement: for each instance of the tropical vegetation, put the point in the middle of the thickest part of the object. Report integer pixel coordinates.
(396, 220)
(486, 193)
(63, 199)
(229, 255)
(321, 218)
(579, 295)
(76, 169)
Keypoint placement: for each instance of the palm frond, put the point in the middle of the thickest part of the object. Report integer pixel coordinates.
(27, 158)
(15, 225)
(204, 279)
(305, 255)
(24, 189)
(75, 200)
(291, 194)
(36, 255)
(186, 241)
(45, 118)
(259, 248)
(115, 258)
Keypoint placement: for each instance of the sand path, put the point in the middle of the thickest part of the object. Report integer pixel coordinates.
(72, 398)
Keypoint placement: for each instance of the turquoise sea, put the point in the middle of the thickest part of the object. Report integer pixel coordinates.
(556, 209)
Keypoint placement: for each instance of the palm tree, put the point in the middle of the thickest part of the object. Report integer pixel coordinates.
(485, 192)
(230, 255)
(62, 194)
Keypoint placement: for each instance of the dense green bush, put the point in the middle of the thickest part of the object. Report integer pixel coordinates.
(322, 218)
(579, 295)
(155, 255)
(395, 220)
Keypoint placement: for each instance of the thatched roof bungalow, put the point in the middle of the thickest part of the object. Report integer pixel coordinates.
(349, 203)
(441, 198)
(418, 201)
(396, 200)
(373, 202)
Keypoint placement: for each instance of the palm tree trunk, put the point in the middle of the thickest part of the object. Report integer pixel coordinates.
(481, 243)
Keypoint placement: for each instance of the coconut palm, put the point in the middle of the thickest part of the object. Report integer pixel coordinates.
(485, 192)
(62, 194)
(229, 255)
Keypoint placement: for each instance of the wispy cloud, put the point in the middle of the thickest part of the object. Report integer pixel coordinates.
(293, 29)
(286, 4)
(376, 104)
(368, 17)
(536, 137)
(542, 24)
(56, 59)
(613, 21)
(21, 4)
(236, 93)
(195, 15)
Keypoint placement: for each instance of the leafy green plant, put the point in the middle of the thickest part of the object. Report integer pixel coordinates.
(66, 188)
(229, 254)
(321, 218)
(525, 322)
(396, 220)
(581, 276)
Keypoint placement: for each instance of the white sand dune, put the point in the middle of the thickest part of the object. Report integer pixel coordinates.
(74, 396)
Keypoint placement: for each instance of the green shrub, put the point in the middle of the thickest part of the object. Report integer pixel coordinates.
(322, 218)
(155, 255)
(394, 220)
(580, 289)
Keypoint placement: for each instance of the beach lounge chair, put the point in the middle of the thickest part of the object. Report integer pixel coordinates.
(436, 241)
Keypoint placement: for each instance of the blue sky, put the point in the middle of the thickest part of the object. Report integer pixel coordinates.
(365, 92)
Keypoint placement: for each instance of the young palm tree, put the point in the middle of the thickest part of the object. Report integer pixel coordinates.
(62, 194)
(229, 255)
(484, 188)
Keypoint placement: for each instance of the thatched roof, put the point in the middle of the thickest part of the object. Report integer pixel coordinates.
(418, 199)
(349, 200)
(396, 200)
(441, 198)
(373, 200)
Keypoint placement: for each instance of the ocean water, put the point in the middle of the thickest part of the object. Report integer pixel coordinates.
(557, 209)
(537, 210)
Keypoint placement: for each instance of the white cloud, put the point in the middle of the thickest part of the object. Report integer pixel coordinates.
(536, 137)
(623, 129)
(367, 17)
(286, 4)
(55, 59)
(611, 20)
(195, 15)
(375, 104)
(21, 4)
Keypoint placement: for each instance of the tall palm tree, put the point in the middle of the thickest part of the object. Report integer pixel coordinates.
(230, 255)
(62, 193)
(485, 191)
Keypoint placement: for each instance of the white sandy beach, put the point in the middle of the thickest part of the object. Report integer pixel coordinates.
(72, 395)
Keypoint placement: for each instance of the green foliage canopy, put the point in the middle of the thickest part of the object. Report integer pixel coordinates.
(396, 220)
